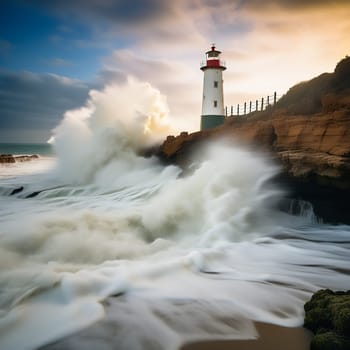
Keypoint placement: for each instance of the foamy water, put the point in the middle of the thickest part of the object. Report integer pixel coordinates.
(186, 257)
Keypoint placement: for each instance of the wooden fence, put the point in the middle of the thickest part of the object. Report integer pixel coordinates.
(252, 106)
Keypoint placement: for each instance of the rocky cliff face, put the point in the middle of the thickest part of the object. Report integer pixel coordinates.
(309, 148)
(313, 149)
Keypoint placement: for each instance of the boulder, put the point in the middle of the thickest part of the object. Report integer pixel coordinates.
(7, 158)
(329, 341)
(327, 314)
(10, 158)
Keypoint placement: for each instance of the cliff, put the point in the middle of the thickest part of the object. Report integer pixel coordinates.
(313, 148)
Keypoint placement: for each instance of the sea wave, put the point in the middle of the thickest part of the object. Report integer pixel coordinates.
(111, 235)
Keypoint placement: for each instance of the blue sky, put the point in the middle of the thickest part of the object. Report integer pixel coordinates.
(41, 42)
(53, 52)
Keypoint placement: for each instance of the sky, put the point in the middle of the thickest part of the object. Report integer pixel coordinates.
(52, 53)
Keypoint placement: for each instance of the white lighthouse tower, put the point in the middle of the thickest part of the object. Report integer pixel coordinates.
(213, 113)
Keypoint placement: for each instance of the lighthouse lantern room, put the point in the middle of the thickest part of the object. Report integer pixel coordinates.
(213, 113)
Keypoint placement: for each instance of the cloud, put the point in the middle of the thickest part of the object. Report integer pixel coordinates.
(59, 62)
(136, 20)
(292, 4)
(117, 11)
(291, 46)
(36, 102)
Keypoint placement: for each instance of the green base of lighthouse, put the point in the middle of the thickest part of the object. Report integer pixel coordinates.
(211, 121)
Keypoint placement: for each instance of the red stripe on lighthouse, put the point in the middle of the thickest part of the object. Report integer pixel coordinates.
(213, 63)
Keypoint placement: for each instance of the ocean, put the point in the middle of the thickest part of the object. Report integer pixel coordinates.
(43, 149)
(184, 257)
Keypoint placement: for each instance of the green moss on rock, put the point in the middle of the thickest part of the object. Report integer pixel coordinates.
(327, 314)
(329, 341)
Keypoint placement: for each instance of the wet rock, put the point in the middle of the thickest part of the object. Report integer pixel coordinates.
(329, 341)
(327, 314)
(10, 158)
(33, 194)
(16, 190)
(7, 159)
(315, 148)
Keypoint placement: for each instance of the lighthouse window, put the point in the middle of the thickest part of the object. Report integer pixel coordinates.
(213, 54)
(215, 103)
(215, 84)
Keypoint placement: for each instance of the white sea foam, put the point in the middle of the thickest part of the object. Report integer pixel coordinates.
(193, 256)
(114, 124)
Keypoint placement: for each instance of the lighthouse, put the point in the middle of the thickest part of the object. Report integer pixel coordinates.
(213, 113)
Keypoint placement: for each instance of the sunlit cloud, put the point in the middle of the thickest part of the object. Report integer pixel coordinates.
(289, 46)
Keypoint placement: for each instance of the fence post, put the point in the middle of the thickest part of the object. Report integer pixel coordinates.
(251, 105)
